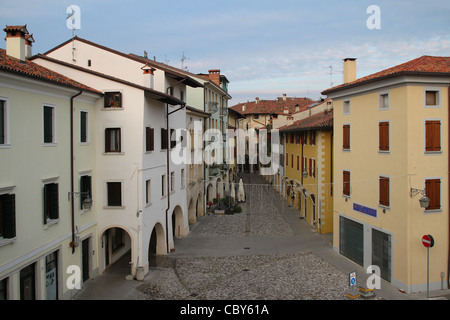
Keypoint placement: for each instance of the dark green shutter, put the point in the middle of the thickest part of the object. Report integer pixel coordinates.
(54, 201)
(2, 122)
(85, 186)
(83, 126)
(48, 124)
(9, 216)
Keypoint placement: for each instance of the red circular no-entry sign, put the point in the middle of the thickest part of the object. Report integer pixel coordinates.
(428, 241)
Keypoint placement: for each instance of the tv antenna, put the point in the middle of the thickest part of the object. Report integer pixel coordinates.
(183, 59)
(73, 22)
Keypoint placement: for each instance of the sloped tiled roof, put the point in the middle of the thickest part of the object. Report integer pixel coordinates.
(424, 65)
(273, 106)
(323, 120)
(33, 70)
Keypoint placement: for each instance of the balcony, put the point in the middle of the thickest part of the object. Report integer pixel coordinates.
(212, 107)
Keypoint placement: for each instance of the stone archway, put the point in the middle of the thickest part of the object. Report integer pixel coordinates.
(116, 243)
(157, 245)
(178, 229)
(192, 211)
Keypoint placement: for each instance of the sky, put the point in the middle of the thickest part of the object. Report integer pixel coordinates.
(265, 48)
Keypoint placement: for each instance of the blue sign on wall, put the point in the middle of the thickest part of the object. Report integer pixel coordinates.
(365, 210)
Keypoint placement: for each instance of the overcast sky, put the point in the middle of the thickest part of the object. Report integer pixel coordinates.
(264, 47)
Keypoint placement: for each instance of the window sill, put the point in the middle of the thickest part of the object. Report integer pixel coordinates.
(113, 207)
(113, 153)
(51, 144)
(4, 242)
(5, 146)
(111, 109)
(346, 150)
(85, 143)
(148, 204)
(432, 211)
(384, 151)
(381, 206)
(433, 152)
(51, 222)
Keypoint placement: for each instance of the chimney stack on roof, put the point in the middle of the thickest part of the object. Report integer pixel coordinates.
(148, 76)
(349, 70)
(18, 42)
(214, 76)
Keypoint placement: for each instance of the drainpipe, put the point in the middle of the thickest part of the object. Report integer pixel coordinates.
(72, 169)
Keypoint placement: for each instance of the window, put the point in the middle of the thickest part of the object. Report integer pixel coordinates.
(298, 162)
(303, 164)
(172, 181)
(3, 122)
(312, 138)
(383, 136)
(256, 116)
(302, 137)
(287, 159)
(291, 137)
(84, 127)
(114, 194)
(346, 183)
(85, 189)
(384, 101)
(432, 98)
(7, 216)
(4, 289)
(164, 139)
(182, 178)
(51, 202)
(149, 139)
(346, 107)
(113, 100)
(432, 136)
(112, 140)
(163, 185)
(292, 161)
(173, 142)
(49, 124)
(28, 282)
(148, 197)
(433, 191)
(384, 184)
(346, 137)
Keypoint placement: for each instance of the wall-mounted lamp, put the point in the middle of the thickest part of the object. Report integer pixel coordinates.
(424, 200)
(87, 202)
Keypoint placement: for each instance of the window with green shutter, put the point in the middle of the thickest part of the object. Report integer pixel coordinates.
(85, 189)
(51, 202)
(7, 216)
(48, 125)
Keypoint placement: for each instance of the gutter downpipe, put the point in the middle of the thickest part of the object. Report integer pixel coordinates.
(72, 169)
(448, 199)
(168, 161)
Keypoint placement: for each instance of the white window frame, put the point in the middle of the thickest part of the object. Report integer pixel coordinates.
(378, 147)
(7, 142)
(172, 182)
(425, 136)
(105, 196)
(380, 101)
(425, 210)
(88, 131)
(148, 192)
(54, 126)
(439, 97)
(390, 188)
(349, 107)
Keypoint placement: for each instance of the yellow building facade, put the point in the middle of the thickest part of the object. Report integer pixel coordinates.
(390, 150)
(308, 169)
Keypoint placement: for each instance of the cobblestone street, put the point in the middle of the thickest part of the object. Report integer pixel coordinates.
(280, 269)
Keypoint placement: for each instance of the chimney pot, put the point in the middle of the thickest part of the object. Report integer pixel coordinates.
(349, 70)
(16, 42)
(214, 76)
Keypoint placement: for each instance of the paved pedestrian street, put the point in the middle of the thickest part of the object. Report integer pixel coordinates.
(255, 254)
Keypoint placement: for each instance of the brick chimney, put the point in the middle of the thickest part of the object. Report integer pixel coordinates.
(214, 76)
(16, 41)
(29, 45)
(349, 70)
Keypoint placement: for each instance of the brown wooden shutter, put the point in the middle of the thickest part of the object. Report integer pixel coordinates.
(287, 159)
(173, 142)
(383, 136)
(433, 135)
(433, 191)
(149, 139)
(384, 191)
(107, 140)
(163, 138)
(346, 183)
(346, 137)
(292, 161)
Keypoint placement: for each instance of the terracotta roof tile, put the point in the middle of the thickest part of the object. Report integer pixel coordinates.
(273, 106)
(322, 120)
(33, 70)
(422, 65)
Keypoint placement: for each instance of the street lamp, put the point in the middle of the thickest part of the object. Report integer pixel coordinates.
(424, 200)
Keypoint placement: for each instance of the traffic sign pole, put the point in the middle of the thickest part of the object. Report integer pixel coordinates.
(428, 242)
